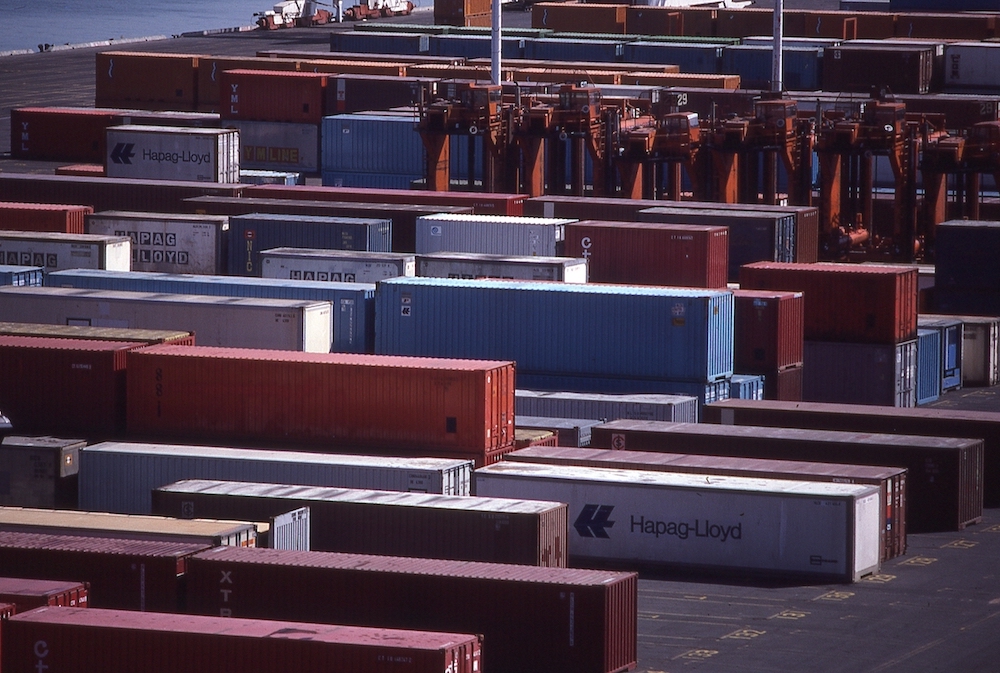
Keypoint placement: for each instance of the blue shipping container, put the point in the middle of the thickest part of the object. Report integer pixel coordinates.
(800, 66)
(695, 58)
(21, 275)
(952, 336)
(353, 312)
(746, 387)
(561, 49)
(368, 180)
(928, 365)
(474, 46)
(383, 142)
(616, 331)
(377, 42)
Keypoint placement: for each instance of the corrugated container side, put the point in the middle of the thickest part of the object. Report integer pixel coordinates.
(273, 96)
(903, 69)
(41, 471)
(379, 42)
(278, 146)
(677, 408)
(490, 234)
(482, 203)
(952, 331)
(980, 352)
(564, 49)
(569, 431)
(28, 594)
(21, 276)
(746, 387)
(352, 92)
(962, 257)
(508, 267)
(53, 251)
(177, 337)
(173, 153)
(146, 80)
(878, 374)
(373, 143)
(211, 95)
(928, 366)
(800, 66)
(60, 134)
(787, 384)
(43, 217)
(694, 58)
(767, 330)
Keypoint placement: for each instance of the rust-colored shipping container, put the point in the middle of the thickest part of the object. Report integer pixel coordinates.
(351, 92)
(649, 20)
(81, 641)
(454, 12)
(28, 594)
(902, 68)
(767, 330)
(533, 620)
(682, 79)
(572, 17)
(64, 386)
(946, 25)
(209, 76)
(409, 59)
(890, 480)
(144, 336)
(845, 302)
(59, 134)
(784, 384)
(386, 403)
(332, 65)
(482, 203)
(607, 75)
(389, 523)
(648, 253)
(944, 481)
(273, 96)
(86, 170)
(445, 71)
(122, 574)
(146, 80)
(835, 25)
(66, 219)
(743, 22)
(696, 21)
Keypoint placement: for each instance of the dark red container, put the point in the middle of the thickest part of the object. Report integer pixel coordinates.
(43, 217)
(784, 384)
(354, 92)
(64, 387)
(533, 620)
(121, 574)
(845, 302)
(272, 96)
(337, 400)
(146, 80)
(890, 480)
(944, 484)
(83, 641)
(59, 134)
(645, 253)
(211, 94)
(861, 67)
(28, 594)
(767, 330)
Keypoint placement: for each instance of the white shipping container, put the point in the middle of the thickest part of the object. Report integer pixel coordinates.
(971, 66)
(120, 476)
(980, 350)
(336, 266)
(55, 251)
(277, 146)
(173, 153)
(168, 242)
(490, 234)
(512, 267)
(741, 524)
(638, 407)
(237, 322)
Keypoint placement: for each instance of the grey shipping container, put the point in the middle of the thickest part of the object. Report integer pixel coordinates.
(277, 146)
(167, 242)
(700, 391)
(971, 67)
(510, 267)
(569, 431)
(40, 471)
(282, 324)
(490, 234)
(21, 275)
(334, 266)
(173, 153)
(853, 373)
(980, 350)
(119, 476)
(53, 251)
(928, 366)
(677, 408)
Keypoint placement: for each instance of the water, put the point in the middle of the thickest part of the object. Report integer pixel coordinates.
(29, 23)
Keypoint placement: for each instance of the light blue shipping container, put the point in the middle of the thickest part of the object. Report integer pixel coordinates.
(474, 46)
(696, 58)
(746, 387)
(353, 312)
(21, 275)
(703, 392)
(561, 329)
(372, 143)
(561, 49)
(952, 336)
(928, 365)
(800, 66)
(377, 42)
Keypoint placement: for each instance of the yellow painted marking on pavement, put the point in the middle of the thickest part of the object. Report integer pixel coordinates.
(878, 578)
(993, 529)
(790, 614)
(960, 544)
(835, 596)
(744, 634)
(919, 561)
(696, 655)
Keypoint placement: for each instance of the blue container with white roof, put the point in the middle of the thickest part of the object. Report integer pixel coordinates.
(928, 365)
(378, 42)
(21, 275)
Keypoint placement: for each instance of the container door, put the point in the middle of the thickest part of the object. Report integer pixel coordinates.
(291, 530)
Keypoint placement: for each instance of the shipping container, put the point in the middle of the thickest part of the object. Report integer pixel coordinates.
(167, 242)
(767, 330)
(579, 18)
(40, 471)
(677, 408)
(477, 46)
(490, 234)
(928, 382)
(673, 333)
(852, 373)
(980, 350)
(66, 219)
(746, 387)
(21, 276)
(146, 80)
(573, 49)
(952, 331)
(334, 266)
(275, 146)
(472, 265)
(173, 153)
(379, 42)
(801, 65)
(119, 476)
(793, 528)
(267, 177)
(862, 68)
(237, 322)
(692, 58)
(536, 620)
(963, 258)
(387, 523)
(971, 67)
(273, 96)
(891, 481)
(375, 143)
(144, 336)
(568, 431)
(28, 594)
(702, 392)
(784, 384)
(54, 251)
(211, 95)
(353, 92)
(69, 639)
(645, 253)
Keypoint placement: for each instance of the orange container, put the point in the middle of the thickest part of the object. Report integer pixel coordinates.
(570, 17)
(697, 21)
(273, 96)
(210, 69)
(146, 81)
(646, 20)
(683, 79)
(86, 170)
(43, 217)
(744, 22)
(352, 67)
(557, 76)
(947, 26)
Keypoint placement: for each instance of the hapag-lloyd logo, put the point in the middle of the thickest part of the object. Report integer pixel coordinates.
(683, 530)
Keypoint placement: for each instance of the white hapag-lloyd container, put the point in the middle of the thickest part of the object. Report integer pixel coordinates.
(718, 523)
(335, 266)
(513, 267)
(120, 476)
(490, 234)
(237, 322)
(173, 153)
(651, 407)
(168, 242)
(54, 251)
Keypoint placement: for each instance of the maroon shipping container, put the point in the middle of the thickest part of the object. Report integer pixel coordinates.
(890, 480)
(645, 253)
(66, 219)
(533, 620)
(767, 330)
(389, 403)
(784, 384)
(845, 302)
(464, 528)
(70, 640)
(482, 203)
(211, 94)
(72, 387)
(146, 80)
(902, 68)
(28, 594)
(121, 574)
(272, 96)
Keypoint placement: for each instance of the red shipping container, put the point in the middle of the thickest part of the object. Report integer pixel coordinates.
(648, 253)
(382, 403)
(146, 80)
(210, 69)
(121, 574)
(533, 619)
(28, 594)
(64, 387)
(767, 330)
(43, 217)
(272, 96)
(86, 170)
(845, 302)
(83, 641)
(59, 134)
(573, 17)
(785, 384)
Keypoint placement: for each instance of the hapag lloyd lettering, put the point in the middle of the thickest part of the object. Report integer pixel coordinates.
(683, 530)
(184, 157)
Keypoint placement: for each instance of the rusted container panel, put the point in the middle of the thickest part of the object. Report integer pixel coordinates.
(845, 302)
(944, 480)
(64, 386)
(146, 80)
(536, 620)
(211, 95)
(860, 373)
(645, 253)
(767, 330)
(28, 594)
(744, 21)
(40, 471)
(890, 480)
(383, 403)
(66, 219)
(273, 96)
(568, 17)
(122, 574)
(73, 640)
(390, 523)
(903, 68)
(482, 203)
(144, 336)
